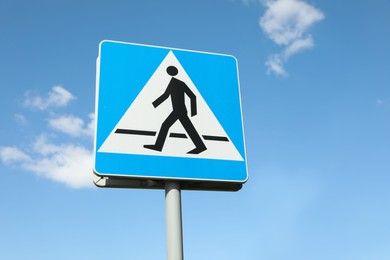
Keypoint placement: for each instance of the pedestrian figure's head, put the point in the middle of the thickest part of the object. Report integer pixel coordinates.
(172, 70)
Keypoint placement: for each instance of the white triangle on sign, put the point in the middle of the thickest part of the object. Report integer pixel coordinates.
(141, 123)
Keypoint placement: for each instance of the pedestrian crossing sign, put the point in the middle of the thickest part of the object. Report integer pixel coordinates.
(168, 114)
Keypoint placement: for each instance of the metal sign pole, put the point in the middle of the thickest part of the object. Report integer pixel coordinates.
(173, 221)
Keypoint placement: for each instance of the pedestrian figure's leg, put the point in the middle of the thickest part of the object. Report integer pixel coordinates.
(162, 135)
(195, 137)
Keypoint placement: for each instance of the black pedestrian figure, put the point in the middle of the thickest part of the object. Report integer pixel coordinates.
(177, 90)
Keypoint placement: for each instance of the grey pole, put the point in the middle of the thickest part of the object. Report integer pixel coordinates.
(173, 221)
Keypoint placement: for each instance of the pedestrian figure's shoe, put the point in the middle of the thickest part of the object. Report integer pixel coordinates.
(197, 150)
(153, 147)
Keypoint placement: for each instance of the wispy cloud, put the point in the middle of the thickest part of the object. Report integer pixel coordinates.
(248, 2)
(73, 125)
(275, 64)
(383, 101)
(57, 97)
(20, 119)
(286, 23)
(13, 154)
(298, 45)
(63, 161)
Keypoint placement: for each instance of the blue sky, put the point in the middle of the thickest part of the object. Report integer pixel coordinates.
(315, 88)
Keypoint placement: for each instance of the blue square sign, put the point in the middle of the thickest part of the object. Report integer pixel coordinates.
(168, 114)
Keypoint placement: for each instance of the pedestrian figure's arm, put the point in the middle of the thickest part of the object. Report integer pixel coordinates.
(192, 97)
(161, 98)
(193, 106)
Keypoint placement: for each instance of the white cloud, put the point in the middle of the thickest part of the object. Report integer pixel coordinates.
(57, 97)
(275, 65)
(297, 46)
(13, 154)
(66, 163)
(286, 22)
(73, 125)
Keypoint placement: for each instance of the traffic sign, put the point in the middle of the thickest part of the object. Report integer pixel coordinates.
(168, 114)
